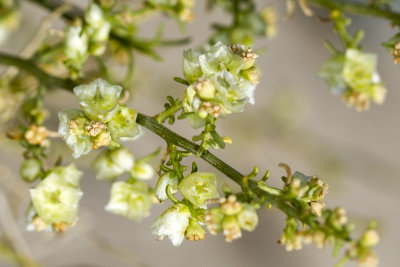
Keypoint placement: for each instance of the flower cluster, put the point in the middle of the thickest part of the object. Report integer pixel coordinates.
(182, 9)
(353, 75)
(231, 217)
(309, 189)
(55, 200)
(248, 24)
(89, 39)
(184, 219)
(222, 80)
(132, 198)
(101, 122)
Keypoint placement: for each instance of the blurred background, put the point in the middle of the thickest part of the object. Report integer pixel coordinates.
(295, 120)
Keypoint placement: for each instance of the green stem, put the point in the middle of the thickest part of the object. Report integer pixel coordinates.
(169, 136)
(30, 67)
(161, 117)
(350, 7)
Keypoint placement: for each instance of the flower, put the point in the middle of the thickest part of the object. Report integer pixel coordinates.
(131, 200)
(110, 164)
(142, 171)
(353, 75)
(168, 178)
(198, 187)
(98, 99)
(248, 218)
(56, 198)
(195, 231)
(172, 223)
(103, 121)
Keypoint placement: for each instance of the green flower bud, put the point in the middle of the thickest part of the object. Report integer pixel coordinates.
(205, 89)
(30, 170)
(77, 125)
(231, 228)
(198, 187)
(213, 220)
(195, 231)
(370, 238)
(56, 198)
(102, 139)
(130, 200)
(172, 223)
(166, 179)
(98, 99)
(76, 43)
(248, 218)
(123, 124)
(110, 164)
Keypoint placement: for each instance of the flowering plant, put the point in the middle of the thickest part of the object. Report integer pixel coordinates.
(219, 79)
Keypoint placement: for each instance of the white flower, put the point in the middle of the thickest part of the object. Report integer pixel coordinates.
(56, 198)
(76, 43)
(142, 171)
(172, 223)
(94, 16)
(129, 200)
(162, 183)
(248, 218)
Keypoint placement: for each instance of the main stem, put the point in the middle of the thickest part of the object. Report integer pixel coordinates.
(169, 136)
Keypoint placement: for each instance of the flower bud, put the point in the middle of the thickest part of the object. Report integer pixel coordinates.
(248, 218)
(205, 89)
(130, 200)
(98, 99)
(102, 139)
(195, 231)
(172, 223)
(110, 164)
(94, 16)
(368, 259)
(370, 238)
(77, 126)
(166, 179)
(317, 206)
(76, 43)
(30, 170)
(231, 206)
(36, 135)
(198, 187)
(56, 198)
(231, 228)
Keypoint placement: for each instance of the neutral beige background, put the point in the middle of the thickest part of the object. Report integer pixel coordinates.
(295, 120)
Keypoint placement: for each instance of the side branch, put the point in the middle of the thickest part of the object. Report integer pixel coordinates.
(30, 67)
(350, 7)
